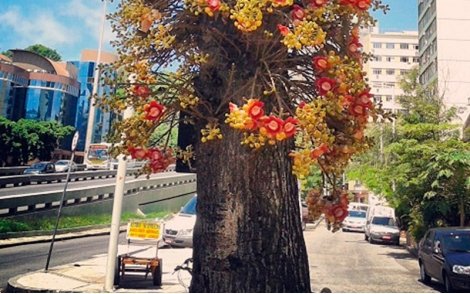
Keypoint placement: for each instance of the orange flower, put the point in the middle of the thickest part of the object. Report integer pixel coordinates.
(364, 98)
(357, 109)
(272, 124)
(325, 85)
(154, 110)
(354, 45)
(290, 126)
(363, 4)
(319, 151)
(214, 5)
(321, 63)
(142, 91)
(339, 212)
(255, 109)
(297, 12)
(283, 30)
(232, 107)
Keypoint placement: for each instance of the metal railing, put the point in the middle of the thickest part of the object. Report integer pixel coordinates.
(21, 180)
(140, 191)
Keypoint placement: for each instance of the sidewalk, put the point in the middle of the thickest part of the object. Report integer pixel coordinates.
(88, 276)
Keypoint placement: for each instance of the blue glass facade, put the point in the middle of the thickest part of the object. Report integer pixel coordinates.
(12, 93)
(102, 122)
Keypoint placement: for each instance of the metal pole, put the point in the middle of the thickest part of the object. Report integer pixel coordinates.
(116, 217)
(91, 108)
(60, 210)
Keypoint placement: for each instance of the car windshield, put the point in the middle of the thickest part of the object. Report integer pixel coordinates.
(39, 165)
(62, 162)
(456, 242)
(190, 207)
(383, 221)
(355, 213)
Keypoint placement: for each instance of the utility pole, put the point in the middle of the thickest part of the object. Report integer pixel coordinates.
(96, 78)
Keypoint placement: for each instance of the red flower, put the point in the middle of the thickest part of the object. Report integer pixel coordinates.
(325, 85)
(357, 109)
(321, 63)
(297, 12)
(364, 98)
(354, 45)
(214, 5)
(138, 153)
(232, 107)
(302, 104)
(141, 91)
(283, 30)
(290, 126)
(154, 110)
(255, 109)
(272, 124)
(318, 3)
(319, 151)
(339, 212)
(363, 4)
(159, 161)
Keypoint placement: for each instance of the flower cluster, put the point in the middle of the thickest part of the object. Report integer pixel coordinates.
(361, 5)
(251, 118)
(210, 132)
(158, 160)
(335, 209)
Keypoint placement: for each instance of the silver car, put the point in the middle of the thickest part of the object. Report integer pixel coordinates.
(62, 166)
(179, 229)
(355, 221)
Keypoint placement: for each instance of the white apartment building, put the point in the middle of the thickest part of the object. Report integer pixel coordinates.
(444, 50)
(395, 53)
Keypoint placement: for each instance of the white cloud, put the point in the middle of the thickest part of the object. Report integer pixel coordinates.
(90, 14)
(42, 27)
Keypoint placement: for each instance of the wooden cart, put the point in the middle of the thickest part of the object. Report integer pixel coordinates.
(141, 233)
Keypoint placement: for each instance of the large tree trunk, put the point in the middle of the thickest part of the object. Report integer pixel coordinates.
(248, 235)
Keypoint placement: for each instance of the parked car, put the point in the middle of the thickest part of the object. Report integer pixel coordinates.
(382, 229)
(43, 167)
(444, 254)
(355, 221)
(62, 166)
(179, 229)
(358, 206)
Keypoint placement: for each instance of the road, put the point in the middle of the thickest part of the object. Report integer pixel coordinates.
(26, 258)
(42, 188)
(343, 262)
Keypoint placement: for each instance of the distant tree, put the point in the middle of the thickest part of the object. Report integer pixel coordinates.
(7, 53)
(45, 52)
(28, 139)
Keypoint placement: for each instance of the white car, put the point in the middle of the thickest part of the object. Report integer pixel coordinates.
(355, 221)
(382, 229)
(62, 166)
(179, 229)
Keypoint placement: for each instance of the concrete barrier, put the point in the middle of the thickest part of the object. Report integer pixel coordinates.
(139, 193)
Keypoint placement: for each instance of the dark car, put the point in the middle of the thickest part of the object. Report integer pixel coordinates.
(43, 167)
(444, 254)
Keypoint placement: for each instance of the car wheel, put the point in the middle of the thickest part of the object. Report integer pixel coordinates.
(371, 241)
(422, 273)
(447, 284)
(344, 230)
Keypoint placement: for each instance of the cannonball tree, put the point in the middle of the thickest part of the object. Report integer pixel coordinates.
(269, 88)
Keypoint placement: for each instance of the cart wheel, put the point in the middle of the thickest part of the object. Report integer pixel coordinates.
(157, 273)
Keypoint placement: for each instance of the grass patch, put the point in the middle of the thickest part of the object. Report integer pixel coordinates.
(67, 222)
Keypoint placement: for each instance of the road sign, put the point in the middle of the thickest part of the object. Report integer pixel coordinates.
(75, 140)
(144, 230)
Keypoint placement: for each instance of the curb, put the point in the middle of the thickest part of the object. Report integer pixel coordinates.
(11, 235)
(14, 287)
(48, 238)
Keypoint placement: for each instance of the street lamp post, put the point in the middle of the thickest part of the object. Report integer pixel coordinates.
(91, 108)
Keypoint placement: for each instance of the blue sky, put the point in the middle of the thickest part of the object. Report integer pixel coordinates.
(72, 25)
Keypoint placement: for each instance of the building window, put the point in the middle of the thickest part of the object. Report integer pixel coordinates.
(377, 58)
(390, 72)
(377, 98)
(377, 45)
(403, 71)
(404, 59)
(390, 46)
(388, 98)
(389, 58)
(403, 46)
(377, 71)
(415, 59)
